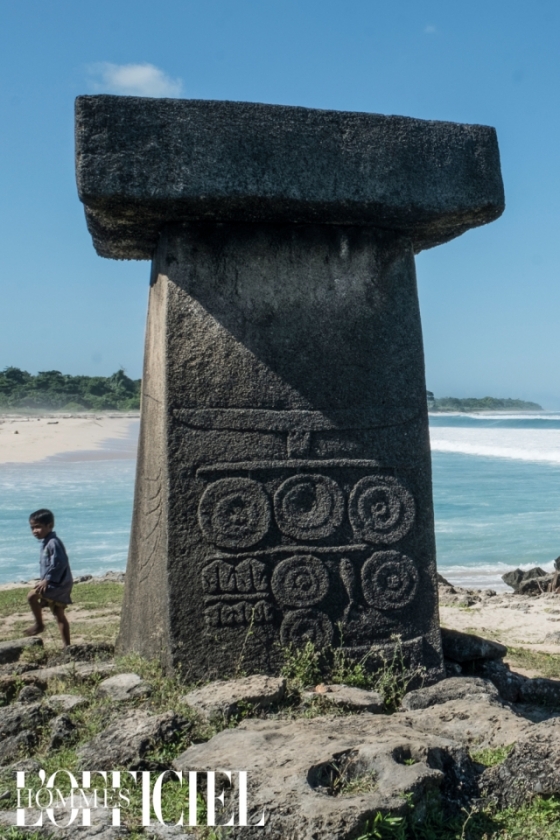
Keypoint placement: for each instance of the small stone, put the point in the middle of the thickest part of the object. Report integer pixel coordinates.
(129, 739)
(11, 651)
(553, 638)
(350, 698)
(30, 694)
(63, 731)
(66, 702)
(123, 687)
(223, 698)
(464, 647)
(22, 716)
(13, 746)
(455, 688)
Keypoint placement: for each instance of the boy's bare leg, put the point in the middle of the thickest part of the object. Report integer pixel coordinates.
(33, 601)
(63, 625)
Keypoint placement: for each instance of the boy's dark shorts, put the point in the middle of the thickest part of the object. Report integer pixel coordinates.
(49, 602)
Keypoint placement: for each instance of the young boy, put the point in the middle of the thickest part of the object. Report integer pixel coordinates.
(56, 578)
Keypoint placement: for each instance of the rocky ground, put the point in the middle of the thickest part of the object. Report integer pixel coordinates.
(347, 757)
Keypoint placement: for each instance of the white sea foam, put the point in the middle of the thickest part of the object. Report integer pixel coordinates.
(520, 444)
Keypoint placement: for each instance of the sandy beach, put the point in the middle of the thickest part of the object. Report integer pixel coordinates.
(28, 438)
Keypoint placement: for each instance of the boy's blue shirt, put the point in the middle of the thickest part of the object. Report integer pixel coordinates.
(54, 566)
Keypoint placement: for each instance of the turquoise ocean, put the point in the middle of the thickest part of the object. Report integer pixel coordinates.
(496, 499)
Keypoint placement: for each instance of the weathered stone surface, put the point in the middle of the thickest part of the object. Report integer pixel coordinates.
(30, 694)
(66, 702)
(12, 650)
(532, 767)
(223, 699)
(12, 746)
(477, 721)
(284, 464)
(128, 740)
(125, 687)
(507, 682)
(297, 766)
(86, 652)
(348, 697)
(541, 692)
(518, 577)
(14, 719)
(454, 688)
(466, 647)
(80, 670)
(143, 162)
(63, 731)
(101, 828)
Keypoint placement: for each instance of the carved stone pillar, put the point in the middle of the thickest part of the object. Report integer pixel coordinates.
(284, 487)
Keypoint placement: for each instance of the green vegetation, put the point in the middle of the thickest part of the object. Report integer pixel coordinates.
(538, 820)
(491, 757)
(482, 404)
(543, 664)
(51, 389)
(307, 666)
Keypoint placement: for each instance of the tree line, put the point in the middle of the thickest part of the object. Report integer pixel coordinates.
(55, 390)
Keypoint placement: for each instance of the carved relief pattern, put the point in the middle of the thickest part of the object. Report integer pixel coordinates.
(263, 581)
(308, 507)
(381, 509)
(301, 626)
(300, 581)
(234, 512)
(389, 580)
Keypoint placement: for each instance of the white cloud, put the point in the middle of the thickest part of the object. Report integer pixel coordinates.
(430, 29)
(133, 80)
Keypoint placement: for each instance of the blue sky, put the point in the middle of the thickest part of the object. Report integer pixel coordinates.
(490, 300)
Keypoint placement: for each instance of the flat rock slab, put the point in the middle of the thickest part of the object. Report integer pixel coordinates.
(143, 162)
(295, 767)
(86, 652)
(67, 702)
(464, 647)
(128, 740)
(476, 721)
(223, 698)
(12, 650)
(123, 687)
(348, 697)
(454, 688)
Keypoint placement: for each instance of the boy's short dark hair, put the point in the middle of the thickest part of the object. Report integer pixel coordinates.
(42, 517)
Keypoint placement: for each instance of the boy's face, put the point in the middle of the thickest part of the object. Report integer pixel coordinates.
(40, 531)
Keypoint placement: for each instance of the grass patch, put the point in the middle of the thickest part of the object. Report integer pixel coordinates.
(13, 601)
(538, 820)
(490, 757)
(306, 666)
(546, 664)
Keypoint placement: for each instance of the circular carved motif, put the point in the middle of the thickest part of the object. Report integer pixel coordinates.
(234, 512)
(302, 626)
(300, 581)
(389, 580)
(308, 507)
(381, 509)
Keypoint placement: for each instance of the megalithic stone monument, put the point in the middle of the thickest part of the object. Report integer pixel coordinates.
(283, 490)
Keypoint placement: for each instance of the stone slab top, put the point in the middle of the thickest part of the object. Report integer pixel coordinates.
(143, 163)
